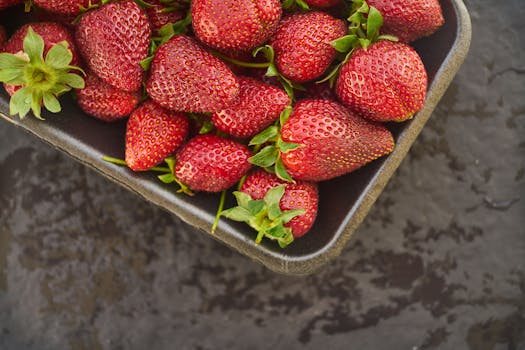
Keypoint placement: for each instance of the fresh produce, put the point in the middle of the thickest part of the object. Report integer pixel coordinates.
(64, 7)
(386, 82)
(186, 77)
(152, 134)
(333, 141)
(113, 40)
(269, 96)
(409, 19)
(238, 25)
(211, 163)
(104, 101)
(302, 44)
(258, 105)
(283, 215)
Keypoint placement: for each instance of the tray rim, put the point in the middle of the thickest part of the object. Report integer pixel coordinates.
(289, 265)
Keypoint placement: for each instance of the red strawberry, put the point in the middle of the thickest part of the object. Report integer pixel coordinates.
(300, 195)
(386, 82)
(333, 141)
(153, 134)
(302, 44)
(113, 40)
(6, 3)
(104, 101)
(235, 24)
(211, 163)
(37, 67)
(186, 77)
(160, 14)
(3, 36)
(409, 19)
(259, 104)
(65, 7)
(322, 3)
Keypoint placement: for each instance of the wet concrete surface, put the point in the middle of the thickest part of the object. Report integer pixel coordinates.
(438, 264)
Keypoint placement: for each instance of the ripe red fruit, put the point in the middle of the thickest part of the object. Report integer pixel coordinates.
(300, 195)
(6, 3)
(152, 134)
(113, 40)
(302, 44)
(104, 101)
(322, 3)
(386, 82)
(409, 19)
(258, 105)
(334, 141)
(186, 77)
(211, 163)
(64, 7)
(235, 24)
(160, 14)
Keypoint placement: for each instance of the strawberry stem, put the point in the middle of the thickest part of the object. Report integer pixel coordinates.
(219, 212)
(241, 63)
(118, 161)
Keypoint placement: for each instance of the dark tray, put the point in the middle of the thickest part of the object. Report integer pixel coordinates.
(344, 202)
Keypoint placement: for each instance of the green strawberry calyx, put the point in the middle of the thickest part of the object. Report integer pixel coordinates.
(40, 80)
(292, 4)
(265, 215)
(365, 23)
(269, 146)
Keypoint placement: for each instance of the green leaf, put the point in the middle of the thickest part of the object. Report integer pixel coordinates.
(267, 51)
(167, 178)
(285, 114)
(365, 43)
(146, 63)
(243, 199)
(345, 43)
(36, 103)
(373, 24)
(280, 171)
(287, 4)
(13, 76)
(34, 46)
(303, 5)
(73, 80)
(388, 37)
(59, 56)
(274, 211)
(265, 135)
(170, 161)
(255, 207)
(237, 214)
(266, 157)
(274, 195)
(272, 71)
(20, 102)
(287, 85)
(51, 103)
(286, 147)
(290, 214)
(10, 61)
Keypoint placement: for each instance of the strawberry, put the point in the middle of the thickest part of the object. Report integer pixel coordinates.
(104, 101)
(7, 3)
(277, 210)
(65, 7)
(186, 77)
(152, 134)
(36, 67)
(302, 44)
(161, 13)
(259, 104)
(299, 195)
(235, 24)
(113, 40)
(409, 19)
(386, 82)
(333, 141)
(211, 163)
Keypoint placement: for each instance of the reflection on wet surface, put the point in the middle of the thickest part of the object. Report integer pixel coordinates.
(438, 264)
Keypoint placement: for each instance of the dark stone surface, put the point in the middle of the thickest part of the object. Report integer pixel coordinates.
(438, 264)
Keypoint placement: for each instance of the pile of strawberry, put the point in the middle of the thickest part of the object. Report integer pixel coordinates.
(273, 96)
